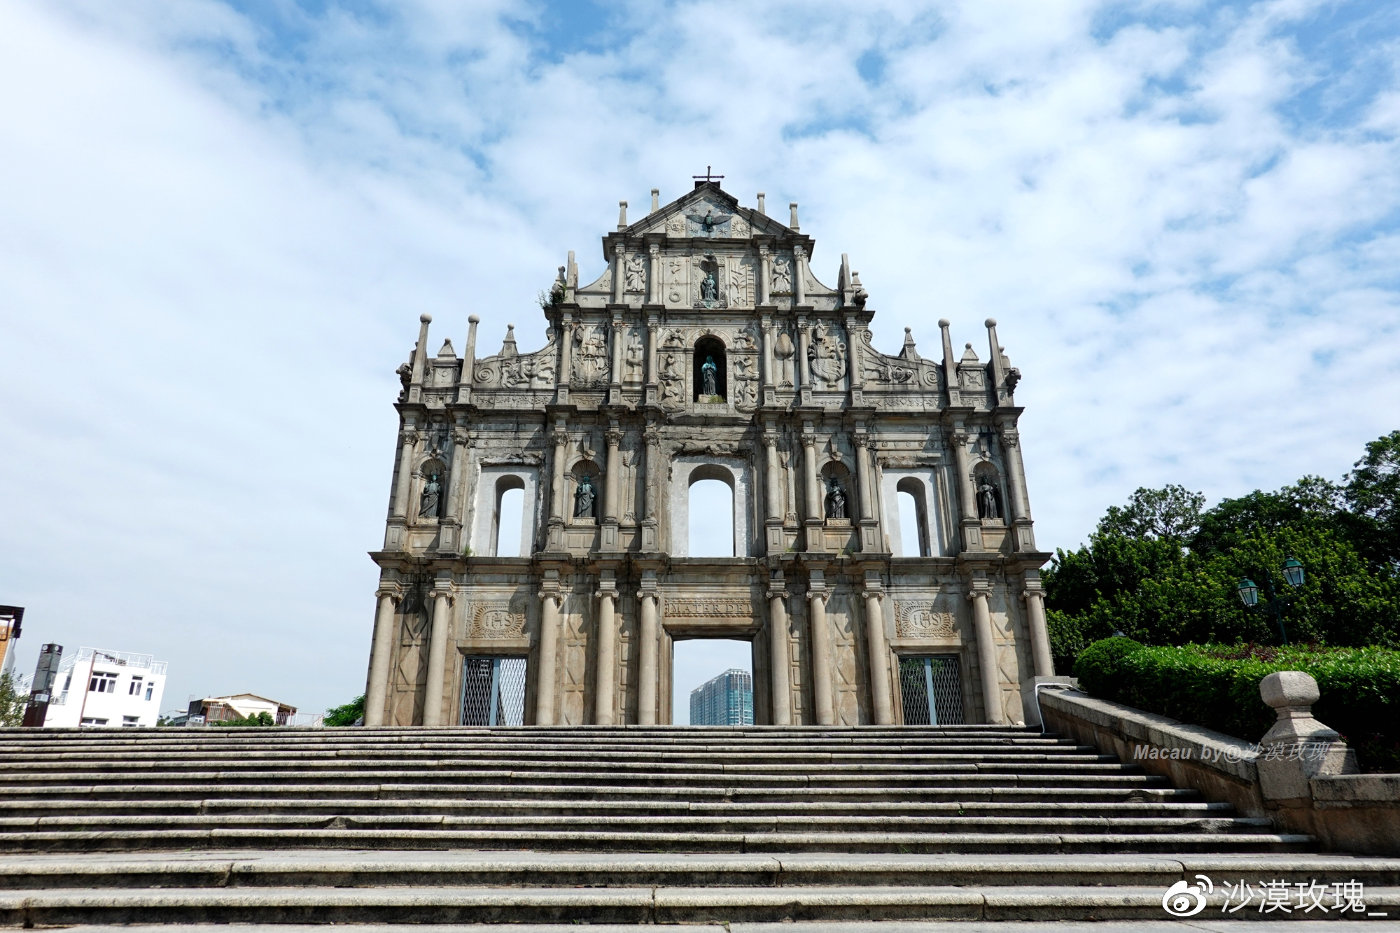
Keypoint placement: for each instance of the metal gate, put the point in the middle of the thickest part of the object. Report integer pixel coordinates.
(931, 686)
(493, 691)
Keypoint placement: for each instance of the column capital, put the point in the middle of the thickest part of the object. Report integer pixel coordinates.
(654, 248)
(559, 437)
(606, 591)
(619, 248)
(1028, 594)
(809, 440)
(875, 591)
(613, 436)
(799, 251)
(551, 594)
(1009, 436)
(977, 593)
(392, 590)
(445, 592)
(770, 438)
(645, 593)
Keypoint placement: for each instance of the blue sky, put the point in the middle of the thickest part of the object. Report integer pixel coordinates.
(222, 220)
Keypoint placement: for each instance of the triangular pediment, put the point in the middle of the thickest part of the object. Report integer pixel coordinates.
(708, 212)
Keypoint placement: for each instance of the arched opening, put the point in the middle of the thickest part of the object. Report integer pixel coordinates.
(710, 513)
(710, 370)
(836, 492)
(432, 491)
(913, 519)
(508, 519)
(712, 677)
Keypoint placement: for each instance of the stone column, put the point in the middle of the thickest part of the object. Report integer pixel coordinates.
(381, 655)
(765, 273)
(987, 657)
(648, 674)
(1015, 473)
(617, 274)
(804, 378)
(615, 378)
(453, 521)
(611, 512)
(779, 653)
(408, 444)
(950, 366)
(651, 520)
(867, 500)
(821, 657)
(606, 696)
(652, 325)
(566, 359)
(855, 364)
(967, 495)
(437, 655)
(548, 656)
(653, 273)
(1035, 621)
(799, 277)
(882, 703)
(557, 508)
(809, 465)
(773, 490)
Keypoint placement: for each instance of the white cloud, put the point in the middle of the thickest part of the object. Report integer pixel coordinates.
(220, 232)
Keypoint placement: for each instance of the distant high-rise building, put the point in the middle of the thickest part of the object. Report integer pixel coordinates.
(726, 700)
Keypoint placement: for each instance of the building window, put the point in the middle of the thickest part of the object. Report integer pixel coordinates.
(129, 722)
(150, 690)
(102, 682)
(914, 538)
(90, 722)
(710, 514)
(135, 688)
(508, 521)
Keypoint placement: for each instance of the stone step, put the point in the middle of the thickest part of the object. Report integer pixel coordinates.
(957, 823)
(361, 869)
(656, 841)
(634, 905)
(1181, 803)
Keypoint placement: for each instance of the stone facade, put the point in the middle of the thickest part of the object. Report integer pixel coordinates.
(707, 349)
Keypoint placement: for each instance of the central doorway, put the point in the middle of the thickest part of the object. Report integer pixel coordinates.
(697, 661)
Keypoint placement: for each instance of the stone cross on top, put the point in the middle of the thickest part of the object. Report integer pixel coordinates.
(708, 178)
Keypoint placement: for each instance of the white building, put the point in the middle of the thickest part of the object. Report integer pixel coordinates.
(107, 688)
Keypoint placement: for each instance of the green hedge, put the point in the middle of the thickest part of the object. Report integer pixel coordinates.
(1217, 687)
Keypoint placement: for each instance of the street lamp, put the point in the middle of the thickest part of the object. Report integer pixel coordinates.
(1249, 592)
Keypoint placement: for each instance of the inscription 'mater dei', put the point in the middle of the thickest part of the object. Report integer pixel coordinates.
(881, 526)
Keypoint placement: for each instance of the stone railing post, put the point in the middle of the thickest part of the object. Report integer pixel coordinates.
(1298, 748)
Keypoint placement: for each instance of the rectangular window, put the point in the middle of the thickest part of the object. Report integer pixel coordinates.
(150, 689)
(102, 682)
(90, 721)
(135, 689)
(130, 721)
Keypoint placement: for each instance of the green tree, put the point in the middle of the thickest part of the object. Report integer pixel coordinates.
(13, 700)
(1373, 493)
(350, 714)
(1171, 513)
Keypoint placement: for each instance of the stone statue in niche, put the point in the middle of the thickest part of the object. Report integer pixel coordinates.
(429, 501)
(636, 272)
(835, 500)
(634, 359)
(708, 373)
(988, 500)
(584, 498)
(782, 276)
(590, 357)
(709, 291)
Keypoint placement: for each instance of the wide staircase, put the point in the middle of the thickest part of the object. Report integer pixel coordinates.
(633, 825)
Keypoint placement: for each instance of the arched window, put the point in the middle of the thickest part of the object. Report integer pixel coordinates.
(710, 370)
(710, 513)
(508, 519)
(913, 519)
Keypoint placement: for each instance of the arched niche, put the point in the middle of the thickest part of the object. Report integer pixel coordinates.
(837, 494)
(586, 492)
(430, 492)
(710, 348)
(990, 497)
(733, 472)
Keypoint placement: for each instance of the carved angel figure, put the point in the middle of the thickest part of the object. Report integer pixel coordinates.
(636, 273)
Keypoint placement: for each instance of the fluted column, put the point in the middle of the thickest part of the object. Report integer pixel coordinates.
(804, 339)
(1040, 635)
(809, 466)
(437, 657)
(548, 657)
(653, 273)
(765, 273)
(773, 490)
(651, 521)
(765, 332)
(881, 697)
(779, 654)
(605, 699)
(408, 444)
(967, 494)
(987, 657)
(566, 359)
(799, 275)
(821, 658)
(615, 378)
(381, 655)
(648, 675)
(866, 497)
(610, 489)
(617, 274)
(1015, 473)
